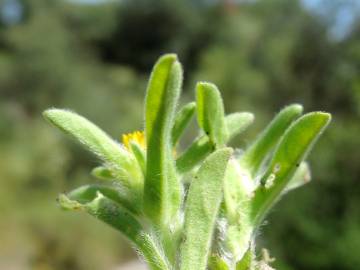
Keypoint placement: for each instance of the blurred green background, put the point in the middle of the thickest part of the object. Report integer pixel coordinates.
(95, 57)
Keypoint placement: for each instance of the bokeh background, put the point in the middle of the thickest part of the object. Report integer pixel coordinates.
(95, 57)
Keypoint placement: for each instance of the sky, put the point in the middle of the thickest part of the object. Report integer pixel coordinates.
(339, 14)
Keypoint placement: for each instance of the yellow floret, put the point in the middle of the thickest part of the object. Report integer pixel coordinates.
(137, 137)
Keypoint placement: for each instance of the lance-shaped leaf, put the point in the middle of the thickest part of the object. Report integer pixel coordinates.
(201, 147)
(201, 210)
(236, 123)
(182, 120)
(301, 177)
(102, 173)
(139, 154)
(291, 151)
(122, 164)
(162, 193)
(112, 213)
(87, 193)
(255, 155)
(247, 261)
(238, 188)
(210, 113)
(239, 235)
(133, 201)
(194, 154)
(217, 263)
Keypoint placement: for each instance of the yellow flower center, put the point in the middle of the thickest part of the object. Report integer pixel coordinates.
(137, 137)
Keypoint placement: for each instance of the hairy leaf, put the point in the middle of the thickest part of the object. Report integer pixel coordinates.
(162, 193)
(210, 113)
(87, 193)
(247, 261)
(255, 155)
(217, 263)
(122, 164)
(201, 210)
(291, 151)
(194, 154)
(139, 154)
(102, 173)
(237, 123)
(301, 177)
(112, 213)
(238, 188)
(182, 120)
(201, 147)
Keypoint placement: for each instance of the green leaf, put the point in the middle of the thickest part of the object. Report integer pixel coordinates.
(87, 193)
(162, 193)
(256, 154)
(236, 123)
(301, 177)
(102, 173)
(217, 263)
(201, 210)
(246, 263)
(182, 120)
(239, 235)
(210, 113)
(119, 160)
(108, 211)
(194, 154)
(238, 189)
(139, 154)
(291, 151)
(201, 147)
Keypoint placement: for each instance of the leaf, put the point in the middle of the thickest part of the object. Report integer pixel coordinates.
(237, 123)
(238, 187)
(162, 193)
(102, 173)
(139, 154)
(87, 193)
(122, 164)
(210, 113)
(239, 235)
(201, 147)
(110, 212)
(301, 177)
(201, 210)
(291, 151)
(182, 120)
(247, 261)
(194, 154)
(217, 263)
(255, 155)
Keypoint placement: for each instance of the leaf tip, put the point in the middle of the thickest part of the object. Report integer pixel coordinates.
(296, 108)
(322, 118)
(325, 115)
(249, 116)
(206, 86)
(52, 113)
(67, 204)
(226, 152)
(47, 114)
(169, 57)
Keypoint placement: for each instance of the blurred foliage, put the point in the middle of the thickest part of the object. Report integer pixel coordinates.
(95, 60)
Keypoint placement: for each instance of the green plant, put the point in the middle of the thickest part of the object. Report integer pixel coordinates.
(200, 208)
